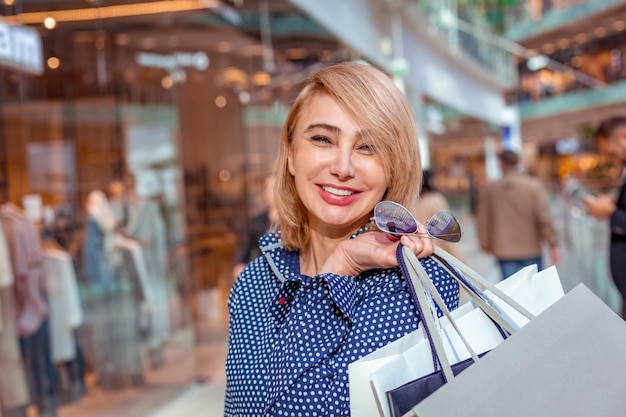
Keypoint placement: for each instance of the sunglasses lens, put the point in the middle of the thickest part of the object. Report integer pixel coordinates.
(392, 218)
(443, 225)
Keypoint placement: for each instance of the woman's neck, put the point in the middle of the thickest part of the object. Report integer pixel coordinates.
(319, 249)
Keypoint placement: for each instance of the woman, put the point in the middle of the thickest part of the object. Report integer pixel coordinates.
(327, 292)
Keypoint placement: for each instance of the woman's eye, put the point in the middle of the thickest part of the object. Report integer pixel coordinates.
(320, 139)
(367, 148)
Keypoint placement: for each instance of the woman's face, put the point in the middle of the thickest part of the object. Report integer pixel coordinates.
(338, 175)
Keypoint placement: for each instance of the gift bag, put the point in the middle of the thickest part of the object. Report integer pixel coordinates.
(410, 358)
(568, 361)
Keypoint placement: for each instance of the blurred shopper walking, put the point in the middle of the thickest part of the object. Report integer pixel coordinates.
(610, 137)
(514, 220)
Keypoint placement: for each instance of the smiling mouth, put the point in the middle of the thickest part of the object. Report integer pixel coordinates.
(337, 191)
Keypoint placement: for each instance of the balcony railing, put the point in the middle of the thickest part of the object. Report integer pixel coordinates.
(466, 32)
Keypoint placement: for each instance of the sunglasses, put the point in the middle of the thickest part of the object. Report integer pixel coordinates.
(395, 219)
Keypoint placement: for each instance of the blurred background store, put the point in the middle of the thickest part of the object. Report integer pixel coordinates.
(173, 110)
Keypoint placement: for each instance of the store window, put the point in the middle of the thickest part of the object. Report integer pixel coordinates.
(94, 304)
(131, 162)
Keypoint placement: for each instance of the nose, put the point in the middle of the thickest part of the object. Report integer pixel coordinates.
(342, 165)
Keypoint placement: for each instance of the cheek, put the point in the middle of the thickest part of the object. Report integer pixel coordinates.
(376, 171)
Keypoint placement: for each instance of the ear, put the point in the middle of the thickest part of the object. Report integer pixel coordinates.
(290, 163)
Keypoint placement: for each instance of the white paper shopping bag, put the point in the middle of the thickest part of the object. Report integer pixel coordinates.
(406, 360)
(362, 396)
(534, 292)
(417, 361)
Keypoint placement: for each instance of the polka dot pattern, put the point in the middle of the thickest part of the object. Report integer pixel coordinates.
(291, 339)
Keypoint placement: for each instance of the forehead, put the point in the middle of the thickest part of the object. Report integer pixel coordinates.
(323, 110)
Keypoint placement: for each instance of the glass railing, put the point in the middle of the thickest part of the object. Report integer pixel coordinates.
(465, 33)
(527, 18)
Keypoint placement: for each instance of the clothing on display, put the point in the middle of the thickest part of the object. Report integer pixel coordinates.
(66, 313)
(31, 309)
(146, 224)
(13, 384)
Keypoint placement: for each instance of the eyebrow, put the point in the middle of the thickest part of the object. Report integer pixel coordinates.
(332, 128)
(324, 126)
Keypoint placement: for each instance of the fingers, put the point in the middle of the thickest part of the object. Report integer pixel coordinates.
(422, 246)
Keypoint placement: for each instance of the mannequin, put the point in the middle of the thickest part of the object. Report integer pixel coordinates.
(143, 221)
(110, 305)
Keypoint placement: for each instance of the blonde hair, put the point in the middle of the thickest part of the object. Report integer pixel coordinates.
(372, 99)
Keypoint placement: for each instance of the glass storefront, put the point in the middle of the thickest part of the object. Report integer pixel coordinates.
(129, 170)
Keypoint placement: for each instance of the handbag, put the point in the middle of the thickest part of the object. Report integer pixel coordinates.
(403, 398)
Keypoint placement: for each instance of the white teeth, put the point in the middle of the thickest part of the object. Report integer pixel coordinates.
(337, 191)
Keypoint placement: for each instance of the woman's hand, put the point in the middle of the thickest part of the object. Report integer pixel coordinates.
(374, 250)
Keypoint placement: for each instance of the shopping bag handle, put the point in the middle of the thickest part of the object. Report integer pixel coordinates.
(480, 299)
(420, 301)
(475, 278)
(420, 285)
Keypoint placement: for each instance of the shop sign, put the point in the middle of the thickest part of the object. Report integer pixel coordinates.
(20, 48)
(175, 63)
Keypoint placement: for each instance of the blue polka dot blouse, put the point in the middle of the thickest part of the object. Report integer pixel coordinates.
(292, 336)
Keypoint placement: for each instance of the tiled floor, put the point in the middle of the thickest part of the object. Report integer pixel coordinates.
(193, 376)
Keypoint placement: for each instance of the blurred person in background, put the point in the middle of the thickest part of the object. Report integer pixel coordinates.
(328, 291)
(258, 226)
(430, 202)
(514, 219)
(610, 138)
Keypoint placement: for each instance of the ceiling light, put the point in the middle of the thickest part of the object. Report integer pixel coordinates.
(619, 25)
(599, 32)
(49, 22)
(220, 101)
(235, 76)
(108, 12)
(548, 48)
(261, 78)
(167, 82)
(53, 62)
